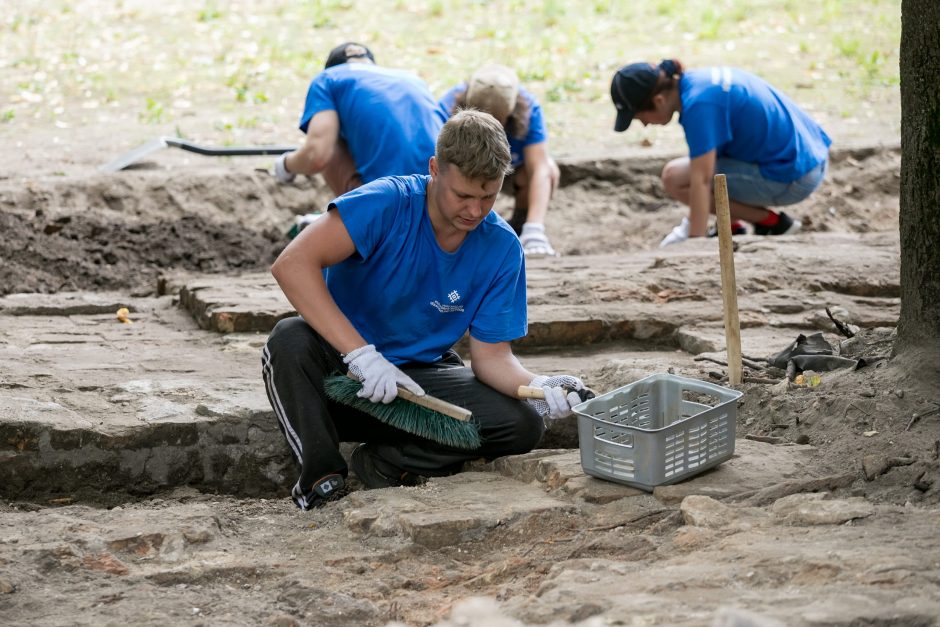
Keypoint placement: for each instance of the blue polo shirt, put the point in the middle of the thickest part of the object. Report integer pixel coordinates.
(742, 117)
(388, 117)
(409, 297)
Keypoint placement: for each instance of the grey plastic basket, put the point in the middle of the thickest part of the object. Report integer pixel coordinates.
(657, 431)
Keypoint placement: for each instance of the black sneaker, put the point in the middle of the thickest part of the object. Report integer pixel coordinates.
(737, 228)
(374, 473)
(784, 226)
(326, 489)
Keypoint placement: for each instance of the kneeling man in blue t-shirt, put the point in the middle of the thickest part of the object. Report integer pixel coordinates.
(393, 275)
(363, 121)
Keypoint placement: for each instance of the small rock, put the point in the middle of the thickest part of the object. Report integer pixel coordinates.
(704, 511)
(802, 439)
(105, 563)
(196, 536)
(868, 393)
(7, 587)
(695, 342)
(923, 482)
(899, 393)
(874, 466)
(58, 558)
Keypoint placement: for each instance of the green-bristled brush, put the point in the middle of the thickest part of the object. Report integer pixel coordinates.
(424, 416)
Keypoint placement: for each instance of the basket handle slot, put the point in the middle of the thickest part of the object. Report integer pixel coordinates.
(704, 399)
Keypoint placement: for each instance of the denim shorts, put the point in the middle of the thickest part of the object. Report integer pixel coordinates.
(746, 184)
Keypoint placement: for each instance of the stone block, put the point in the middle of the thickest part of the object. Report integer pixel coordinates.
(755, 465)
(816, 509)
(704, 511)
(447, 510)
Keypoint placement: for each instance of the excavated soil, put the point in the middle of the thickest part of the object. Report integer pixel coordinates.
(119, 232)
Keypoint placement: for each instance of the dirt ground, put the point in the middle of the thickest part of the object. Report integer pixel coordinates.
(79, 230)
(119, 232)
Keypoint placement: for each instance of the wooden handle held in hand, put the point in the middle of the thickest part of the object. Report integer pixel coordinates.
(439, 405)
(528, 391)
(431, 402)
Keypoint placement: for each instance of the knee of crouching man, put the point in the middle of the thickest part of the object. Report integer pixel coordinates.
(287, 334)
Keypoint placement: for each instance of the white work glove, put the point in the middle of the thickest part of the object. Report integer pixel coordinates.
(559, 395)
(380, 378)
(280, 169)
(678, 234)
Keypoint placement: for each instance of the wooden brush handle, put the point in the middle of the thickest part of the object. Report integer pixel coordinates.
(439, 405)
(431, 402)
(528, 391)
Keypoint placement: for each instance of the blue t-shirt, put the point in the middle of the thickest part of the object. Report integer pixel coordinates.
(742, 117)
(536, 133)
(409, 297)
(388, 117)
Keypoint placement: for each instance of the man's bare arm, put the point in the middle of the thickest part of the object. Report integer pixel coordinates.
(299, 272)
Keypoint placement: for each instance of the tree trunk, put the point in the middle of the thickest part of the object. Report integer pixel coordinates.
(919, 325)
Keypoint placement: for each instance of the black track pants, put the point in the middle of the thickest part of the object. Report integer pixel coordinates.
(295, 361)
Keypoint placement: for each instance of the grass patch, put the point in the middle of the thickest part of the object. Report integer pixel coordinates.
(255, 60)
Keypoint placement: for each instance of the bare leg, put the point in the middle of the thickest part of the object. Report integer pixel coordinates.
(523, 212)
(676, 181)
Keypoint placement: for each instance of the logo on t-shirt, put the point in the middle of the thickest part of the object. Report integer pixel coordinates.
(453, 297)
(722, 76)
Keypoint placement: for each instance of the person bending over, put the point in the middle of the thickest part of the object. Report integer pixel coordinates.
(772, 153)
(385, 283)
(362, 122)
(495, 89)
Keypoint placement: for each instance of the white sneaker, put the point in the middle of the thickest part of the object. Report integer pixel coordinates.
(678, 234)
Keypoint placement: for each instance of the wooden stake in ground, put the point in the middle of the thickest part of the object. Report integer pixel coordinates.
(729, 288)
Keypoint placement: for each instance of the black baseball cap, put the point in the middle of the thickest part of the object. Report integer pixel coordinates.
(344, 52)
(630, 89)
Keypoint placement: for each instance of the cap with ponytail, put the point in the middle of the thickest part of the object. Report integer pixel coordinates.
(634, 86)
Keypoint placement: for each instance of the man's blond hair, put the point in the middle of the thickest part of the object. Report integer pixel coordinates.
(476, 144)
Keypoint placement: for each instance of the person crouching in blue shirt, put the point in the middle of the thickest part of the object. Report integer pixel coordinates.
(362, 122)
(495, 89)
(772, 153)
(394, 274)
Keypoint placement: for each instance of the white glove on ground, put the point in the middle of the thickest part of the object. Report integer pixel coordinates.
(678, 234)
(535, 242)
(559, 397)
(380, 378)
(280, 169)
